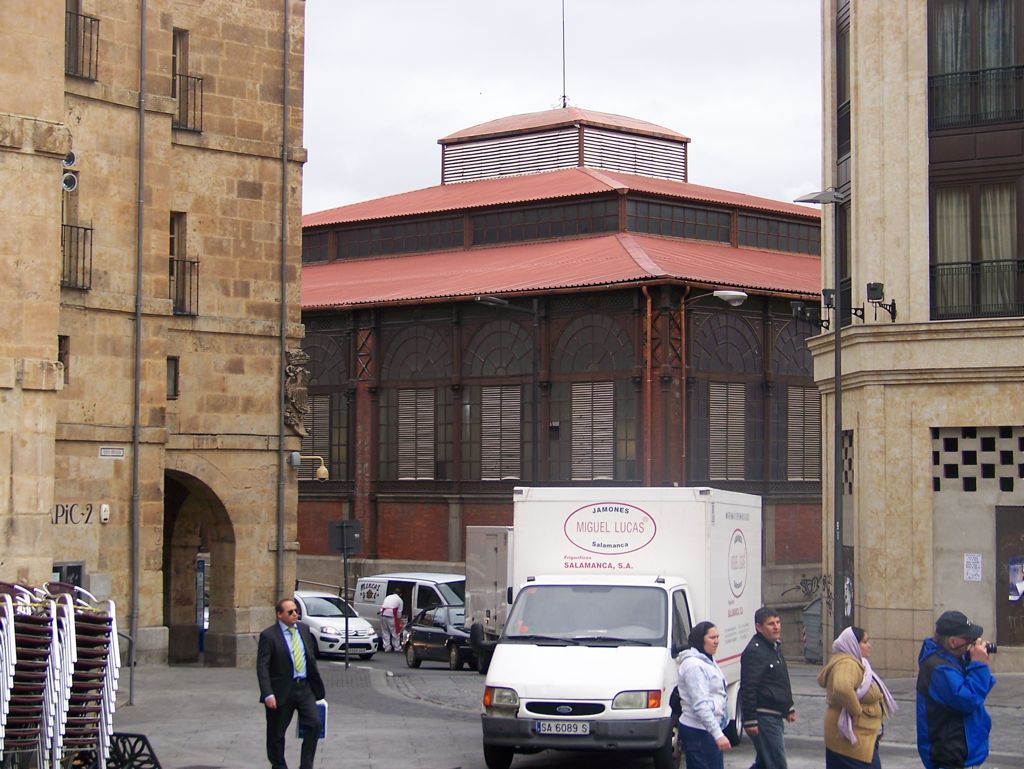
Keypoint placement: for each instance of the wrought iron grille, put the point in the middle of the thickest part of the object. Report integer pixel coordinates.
(188, 90)
(962, 99)
(184, 286)
(76, 253)
(81, 45)
(991, 289)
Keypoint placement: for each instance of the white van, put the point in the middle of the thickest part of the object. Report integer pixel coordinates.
(419, 590)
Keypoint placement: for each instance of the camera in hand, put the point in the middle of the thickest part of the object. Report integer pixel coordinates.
(991, 648)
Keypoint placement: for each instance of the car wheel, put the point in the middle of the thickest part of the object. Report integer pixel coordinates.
(411, 658)
(497, 756)
(733, 731)
(666, 757)
(454, 657)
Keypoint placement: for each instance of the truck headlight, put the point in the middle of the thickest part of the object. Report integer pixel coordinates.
(500, 701)
(638, 700)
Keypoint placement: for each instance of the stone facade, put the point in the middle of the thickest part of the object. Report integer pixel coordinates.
(209, 465)
(908, 384)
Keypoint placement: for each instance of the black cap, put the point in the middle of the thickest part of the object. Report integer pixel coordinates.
(955, 623)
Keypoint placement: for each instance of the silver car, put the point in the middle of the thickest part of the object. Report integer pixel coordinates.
(324, 614)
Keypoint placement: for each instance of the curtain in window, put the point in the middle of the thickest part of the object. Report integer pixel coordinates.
(998, 248)
(949, 55)
(997, 83)
(501, 417)
(951, 252)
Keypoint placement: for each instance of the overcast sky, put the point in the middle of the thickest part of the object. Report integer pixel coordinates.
(385, 79)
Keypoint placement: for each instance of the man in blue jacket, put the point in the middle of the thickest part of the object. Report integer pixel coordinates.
(953, 681)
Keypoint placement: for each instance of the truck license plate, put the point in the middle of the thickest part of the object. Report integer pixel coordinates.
(562, 727)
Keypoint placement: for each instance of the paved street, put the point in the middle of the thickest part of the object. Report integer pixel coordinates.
(384, 715)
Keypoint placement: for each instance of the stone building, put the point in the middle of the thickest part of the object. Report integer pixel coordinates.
(150, 295)
(924, 148)
(545, 316)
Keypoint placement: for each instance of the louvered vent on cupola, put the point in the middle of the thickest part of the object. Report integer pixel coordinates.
(563, 138)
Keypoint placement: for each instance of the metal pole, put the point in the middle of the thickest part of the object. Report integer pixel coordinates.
(839, 580)
(344, 582)
(535, 409)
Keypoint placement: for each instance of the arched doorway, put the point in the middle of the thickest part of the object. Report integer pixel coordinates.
(198, 565)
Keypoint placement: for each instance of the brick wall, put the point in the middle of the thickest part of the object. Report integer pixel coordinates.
(414, 531)
(797, 533)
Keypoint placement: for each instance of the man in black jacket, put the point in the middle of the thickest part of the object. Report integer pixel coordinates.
(766, 697)
(289, 680)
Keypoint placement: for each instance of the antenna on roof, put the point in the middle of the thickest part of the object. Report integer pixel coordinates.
(565, 99)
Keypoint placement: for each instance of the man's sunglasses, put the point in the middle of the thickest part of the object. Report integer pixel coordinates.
(291, 611)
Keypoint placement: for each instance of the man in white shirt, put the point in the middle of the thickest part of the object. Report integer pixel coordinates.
(391, 621)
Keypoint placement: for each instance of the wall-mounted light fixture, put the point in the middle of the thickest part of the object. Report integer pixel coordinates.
(876, 296)
(810, 313)
(295, 461)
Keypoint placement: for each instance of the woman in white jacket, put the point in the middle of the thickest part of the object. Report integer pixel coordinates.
(703, 698)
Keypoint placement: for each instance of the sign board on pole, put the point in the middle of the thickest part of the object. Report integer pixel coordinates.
(345, 536)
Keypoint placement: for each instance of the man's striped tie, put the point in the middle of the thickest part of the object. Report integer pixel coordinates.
(298, 661)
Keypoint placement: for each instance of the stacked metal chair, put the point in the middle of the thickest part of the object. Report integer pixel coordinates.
(30, 671)
(59, 663)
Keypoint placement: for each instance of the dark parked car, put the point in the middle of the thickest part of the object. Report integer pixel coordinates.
(437, 634)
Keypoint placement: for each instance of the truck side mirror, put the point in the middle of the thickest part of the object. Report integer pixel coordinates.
(508, 594)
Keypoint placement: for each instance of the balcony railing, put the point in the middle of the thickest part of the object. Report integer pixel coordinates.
(964, 99)
(81, 45)
(184, 286)
(993, 289)
(188, 90)
(76, 256)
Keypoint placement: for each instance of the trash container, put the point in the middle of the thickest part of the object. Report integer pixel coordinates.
(812, 631)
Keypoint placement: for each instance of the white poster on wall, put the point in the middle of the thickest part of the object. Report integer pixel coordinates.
(972, 567)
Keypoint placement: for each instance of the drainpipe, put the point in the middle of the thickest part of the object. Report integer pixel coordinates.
(683, 404)
(283, 319)
(137, 362)
(647, 386)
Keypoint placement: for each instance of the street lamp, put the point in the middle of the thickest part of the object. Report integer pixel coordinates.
(497, 301)
(839, 591)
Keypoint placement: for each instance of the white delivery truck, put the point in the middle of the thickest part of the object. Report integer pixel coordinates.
(608, 583)
(488, 573)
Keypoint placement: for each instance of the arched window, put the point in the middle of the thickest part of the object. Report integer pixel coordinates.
(592, 431)
(497, 437)
(416, 406)
(796, 408)
(327, 422)
(727, 405)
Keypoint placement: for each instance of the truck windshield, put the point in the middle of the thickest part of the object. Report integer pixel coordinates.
(589, 613)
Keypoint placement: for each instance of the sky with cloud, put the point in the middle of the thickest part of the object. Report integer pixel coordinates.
(384, 80)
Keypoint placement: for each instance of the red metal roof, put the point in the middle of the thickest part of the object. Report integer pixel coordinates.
(551, 185)
(619, 258)
(558, 118)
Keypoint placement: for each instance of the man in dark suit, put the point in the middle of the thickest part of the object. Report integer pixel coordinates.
(289, 681)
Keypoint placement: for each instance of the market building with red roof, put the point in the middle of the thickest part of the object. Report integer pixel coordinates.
(549, 314)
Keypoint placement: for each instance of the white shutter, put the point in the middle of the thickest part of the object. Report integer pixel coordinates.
(803, 434)
(501, 428)
(727, 430)
(318, 438)
(416, 434)
(593, 431)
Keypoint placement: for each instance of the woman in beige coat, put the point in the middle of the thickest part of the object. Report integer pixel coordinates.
(857, 701)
